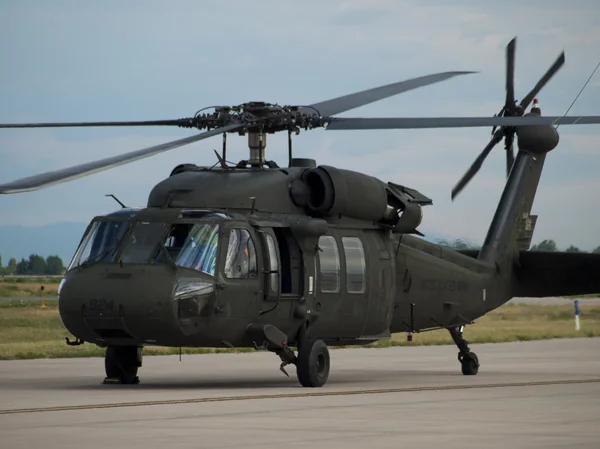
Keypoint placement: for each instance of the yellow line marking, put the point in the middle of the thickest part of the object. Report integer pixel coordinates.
(294, 395)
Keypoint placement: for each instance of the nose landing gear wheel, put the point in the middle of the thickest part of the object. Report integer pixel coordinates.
(313, 363)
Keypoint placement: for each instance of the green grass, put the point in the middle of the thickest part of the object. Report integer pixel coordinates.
(27, 331)
(28, 286)
(30, 279)
(515, 322)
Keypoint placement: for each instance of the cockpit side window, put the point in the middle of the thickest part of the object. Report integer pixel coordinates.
(240, 262)
(194, 246)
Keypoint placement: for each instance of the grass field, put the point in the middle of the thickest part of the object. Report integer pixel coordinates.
(28, 331)
(28, 286)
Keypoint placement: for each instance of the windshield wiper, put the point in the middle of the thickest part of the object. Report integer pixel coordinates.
(91, 261)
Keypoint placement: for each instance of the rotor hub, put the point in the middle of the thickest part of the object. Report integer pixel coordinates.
(257, 116)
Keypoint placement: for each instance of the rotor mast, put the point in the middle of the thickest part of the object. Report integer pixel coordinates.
(257, 143)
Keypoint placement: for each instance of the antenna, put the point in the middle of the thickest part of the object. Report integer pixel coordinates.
(117, 200)
(582, 89)
(221, 160)
(290, 147)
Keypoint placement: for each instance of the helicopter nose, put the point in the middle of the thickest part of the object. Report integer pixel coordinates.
(148, 305)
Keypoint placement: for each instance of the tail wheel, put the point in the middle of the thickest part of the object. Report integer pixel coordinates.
(313, 363)
(469, 363)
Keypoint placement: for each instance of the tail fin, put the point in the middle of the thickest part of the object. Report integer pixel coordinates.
(512, 226)
(511, 229)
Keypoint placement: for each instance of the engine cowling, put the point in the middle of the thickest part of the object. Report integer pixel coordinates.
(334, 191)
(328, 191)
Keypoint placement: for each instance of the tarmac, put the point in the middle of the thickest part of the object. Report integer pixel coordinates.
(542, 394)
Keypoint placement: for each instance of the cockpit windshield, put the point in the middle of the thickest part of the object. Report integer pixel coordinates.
(143, 242)
(188, 245)
(101, 242)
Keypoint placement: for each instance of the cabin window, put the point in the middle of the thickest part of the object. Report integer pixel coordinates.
(240, 262)
(355, 264)
(329, 261)
(273, 263)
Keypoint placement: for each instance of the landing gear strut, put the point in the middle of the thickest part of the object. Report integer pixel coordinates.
(121, 364)
(468, 360)
(312, 362)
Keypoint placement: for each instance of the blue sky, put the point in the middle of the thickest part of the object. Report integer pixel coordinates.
(142, 60)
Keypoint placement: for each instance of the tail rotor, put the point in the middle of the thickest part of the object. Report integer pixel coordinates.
(510, 109)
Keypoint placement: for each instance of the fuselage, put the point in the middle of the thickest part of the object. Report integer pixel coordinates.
(183, 272)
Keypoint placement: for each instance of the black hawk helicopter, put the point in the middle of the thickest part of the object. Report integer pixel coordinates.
(304, 256)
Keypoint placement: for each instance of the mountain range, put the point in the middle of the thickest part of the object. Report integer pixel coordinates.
(53, 239)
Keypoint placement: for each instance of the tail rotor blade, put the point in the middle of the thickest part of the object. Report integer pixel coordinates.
(472, 171)
(542, 82)
(510, 74)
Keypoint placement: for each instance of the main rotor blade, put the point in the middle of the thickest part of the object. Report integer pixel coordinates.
(510, 74)
(355, 100)
(543, 80)
(472, 171)
(176, 122)
(455, 122)
(77, 171)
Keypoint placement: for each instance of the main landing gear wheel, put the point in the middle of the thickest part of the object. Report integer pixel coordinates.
(121, 364)
(312, 365)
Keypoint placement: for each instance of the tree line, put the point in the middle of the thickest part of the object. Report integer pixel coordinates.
(34, 265)
(53, 265)
(550, 245)
(545, 245)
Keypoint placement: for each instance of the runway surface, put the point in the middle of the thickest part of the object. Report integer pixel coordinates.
(543, 394)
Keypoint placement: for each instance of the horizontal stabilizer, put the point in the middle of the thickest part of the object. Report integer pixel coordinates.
(543, 274)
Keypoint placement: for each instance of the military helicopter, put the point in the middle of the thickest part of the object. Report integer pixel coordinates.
(295, 259)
